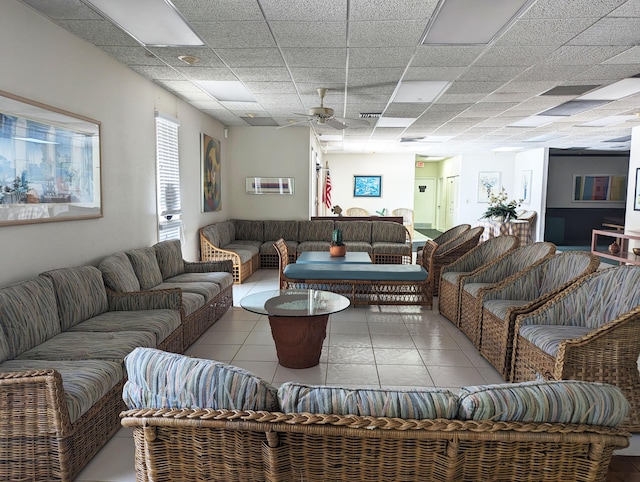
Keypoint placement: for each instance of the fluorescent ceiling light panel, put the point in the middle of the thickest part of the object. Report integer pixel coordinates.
(573, 107)
(608, 121)
(617, 90)
(227, 90)
(506, 149)
(569, 90)
(395, 122)
(544, 138)
(471, 22)
(150, 22)
(419, 91)
(534, 121)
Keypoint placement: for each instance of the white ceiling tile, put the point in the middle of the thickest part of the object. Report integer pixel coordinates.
(379, 57)
(573, 8)
(467, 87)
(366, 77)
(206, 73)
(218, 10)
(305, 10)
(254, 57)
(446, 56)
(271, 74)
(157, 72)
(405, 33)
(315, 57)
(170, 55)
(319, 75)
(271, 87)
(504, 73)
(310, 34)
(498, 56)
(433, 73)
(240, 34)
(132, 55)
(98, 32)
(405, 10)
(610, 31)
(583, 55)
(544, 31)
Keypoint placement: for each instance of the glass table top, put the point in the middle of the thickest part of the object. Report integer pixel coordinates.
(294, 302)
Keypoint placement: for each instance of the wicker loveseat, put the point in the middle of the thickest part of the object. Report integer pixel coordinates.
(249, 243)
(222, 423)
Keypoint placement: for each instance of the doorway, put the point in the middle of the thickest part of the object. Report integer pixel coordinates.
(451, 201)
(424, 202)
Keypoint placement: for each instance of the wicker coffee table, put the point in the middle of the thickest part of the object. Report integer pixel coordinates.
(298, 320)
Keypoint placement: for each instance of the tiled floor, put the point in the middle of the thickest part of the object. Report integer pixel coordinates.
(365, 346)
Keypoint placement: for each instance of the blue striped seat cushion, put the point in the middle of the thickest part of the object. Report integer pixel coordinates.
(563, 401)
(500, 307)
(452, 276)
(378, 402)
(473, 288)
(549, 337)
(364, 272)
(158, 379)
(222, 279)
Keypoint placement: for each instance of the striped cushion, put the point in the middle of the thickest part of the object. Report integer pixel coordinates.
(319, 230)
(473, 288)
(500, 307)
(84, 382)
(207, 290)
(274, 230)
(249, 229)
(549, 337)
(80, 294)
(159, 379)
(169, 257)
(564, 401)
(222, 279)
(388, 232)
(145, 265)
(410, 403)
(380, 247)
(313, 246)
(28, 316)
(118, 274)
(453, 276)
(355, 230)
(358, 247)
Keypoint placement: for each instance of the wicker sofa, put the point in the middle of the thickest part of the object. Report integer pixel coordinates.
(225, 424)
(63, 339)
(249, 243)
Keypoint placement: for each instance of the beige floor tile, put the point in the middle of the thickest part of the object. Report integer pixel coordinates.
(404, 375)
(342, 373)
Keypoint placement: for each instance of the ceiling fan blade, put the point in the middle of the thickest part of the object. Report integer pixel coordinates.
(294, 124)
(350, 122)
(336, 124)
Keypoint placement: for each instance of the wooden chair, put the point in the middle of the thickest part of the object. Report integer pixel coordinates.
(522, 293)
(407, 218)
(433, 260)
(283, 257)
(472, 286)
(484, 254)
(590, 331)
(356, 212)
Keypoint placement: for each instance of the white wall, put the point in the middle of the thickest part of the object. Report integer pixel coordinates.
(632, 219)
(44, 63)
(397, 171)
(536, 161)
(269, 152)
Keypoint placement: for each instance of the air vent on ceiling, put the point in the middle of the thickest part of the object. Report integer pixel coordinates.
(369, 115)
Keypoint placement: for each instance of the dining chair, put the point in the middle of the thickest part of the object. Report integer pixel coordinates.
(356, 212)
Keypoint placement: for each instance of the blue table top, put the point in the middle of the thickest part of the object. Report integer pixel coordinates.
(323, 257)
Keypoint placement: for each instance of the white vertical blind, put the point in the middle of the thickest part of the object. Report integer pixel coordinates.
(168, 177)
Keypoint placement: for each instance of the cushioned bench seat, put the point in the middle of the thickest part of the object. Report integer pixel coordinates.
(375, 284)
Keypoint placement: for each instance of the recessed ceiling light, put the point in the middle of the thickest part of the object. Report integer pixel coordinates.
(617, 90)
(189, 59)
(150, 22)
(419, 92)
(470, 22)
(227, 90)
(395, 121)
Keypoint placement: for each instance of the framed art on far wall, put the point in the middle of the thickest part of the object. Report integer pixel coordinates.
(488, 184)
(211, 179)
(636, 199)
(367, 186)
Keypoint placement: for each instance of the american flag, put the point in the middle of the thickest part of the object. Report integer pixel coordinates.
(326, 195)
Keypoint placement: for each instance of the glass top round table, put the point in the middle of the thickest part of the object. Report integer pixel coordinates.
(298, 320)
(295, 303)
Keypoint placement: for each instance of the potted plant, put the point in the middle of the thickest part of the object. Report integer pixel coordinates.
(337, 247)
(500, 209)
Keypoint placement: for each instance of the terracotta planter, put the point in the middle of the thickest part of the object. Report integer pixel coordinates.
(337, 250)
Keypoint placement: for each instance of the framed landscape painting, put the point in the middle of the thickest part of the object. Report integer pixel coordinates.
(367, 186)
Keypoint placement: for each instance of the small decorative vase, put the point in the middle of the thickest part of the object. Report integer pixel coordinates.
(337, 250)
(614, 248)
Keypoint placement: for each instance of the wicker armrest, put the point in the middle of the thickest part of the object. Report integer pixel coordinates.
(225, 265)
(169, 299)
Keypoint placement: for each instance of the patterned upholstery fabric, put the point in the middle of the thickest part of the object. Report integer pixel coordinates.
(80, 294)
(473, 288)
(452, 233)
(212, 233)
(388, 232)
(118, 273)
(358, 247)
(145, 265)
(158, 379)
(169, 257)
(245, 252)
(227, 232)
(28, 316)
(223, 280)
(548, 338)
(500, 307)
(313, 246)
(113, 346)
(254, 246)
(391, 248)
(249, 230)
(484, 253)
(355, 230)
(85, 382)
(453, 276)
(565, 401)
(319, 230)
(274, 230)
(207, 290)
(267, 247)
(192, 302)
(159, 322)
(409, 404)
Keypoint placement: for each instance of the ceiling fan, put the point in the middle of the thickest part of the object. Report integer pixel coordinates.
(324, 116)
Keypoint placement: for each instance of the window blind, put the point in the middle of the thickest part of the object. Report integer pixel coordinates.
(168, 177)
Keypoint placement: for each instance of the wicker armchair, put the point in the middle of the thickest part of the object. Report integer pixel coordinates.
(490, 251)
(407, 218)
(447, 236)
(591, 331)
(356, 212)
(283, 257)
(523, 293)
(443, 254)
(472, 286)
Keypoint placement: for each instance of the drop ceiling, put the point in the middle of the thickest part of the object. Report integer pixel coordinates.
(283, 50)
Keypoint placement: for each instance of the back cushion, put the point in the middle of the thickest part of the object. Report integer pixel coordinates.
(248, 230)
(319, 230)
(145, 265)
(212, 234)
(80, 293)
(388, 232)
(118, 274)
(28, 316)
(564, 401)
(355, 230)
(158, 379)
(274, 230)
(227, 232)
(415, 403)
(169, 256)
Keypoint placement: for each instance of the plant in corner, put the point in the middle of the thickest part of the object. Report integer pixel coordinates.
(337, 247)
(499, 207)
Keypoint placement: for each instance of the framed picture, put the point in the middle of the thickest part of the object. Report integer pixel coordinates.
(211, 178)
(525, 186)
(269, 185)
(49, 163)
(488, 184)
(636, 199)
(599, 188)
(367, 186)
